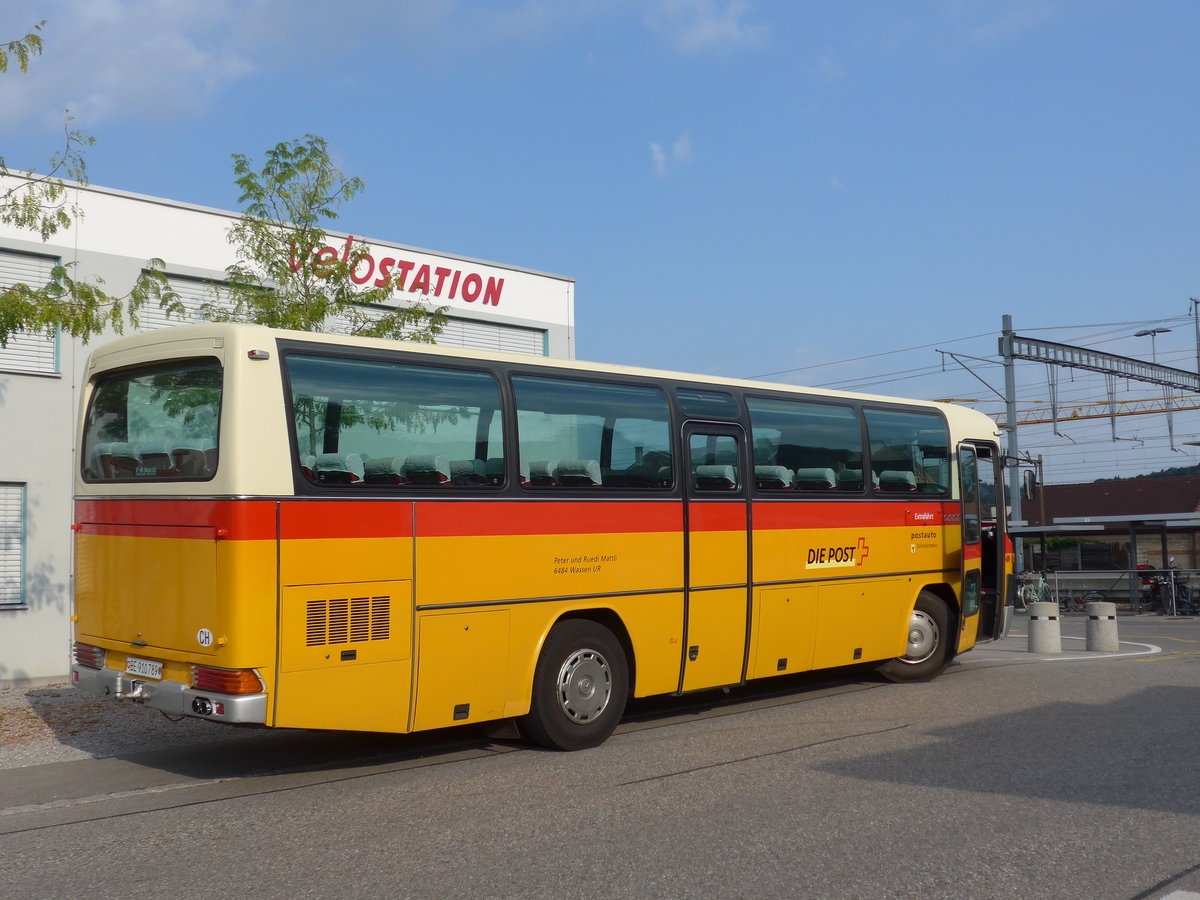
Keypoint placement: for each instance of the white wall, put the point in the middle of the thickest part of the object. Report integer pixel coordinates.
(118, 234)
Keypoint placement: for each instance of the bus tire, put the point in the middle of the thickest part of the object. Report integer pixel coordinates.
(580, 687)
(928, 646)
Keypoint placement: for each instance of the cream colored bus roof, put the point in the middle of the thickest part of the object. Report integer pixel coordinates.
(963, 420)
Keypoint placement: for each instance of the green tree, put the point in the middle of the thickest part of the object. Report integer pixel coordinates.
(38, 203)
(287, 274)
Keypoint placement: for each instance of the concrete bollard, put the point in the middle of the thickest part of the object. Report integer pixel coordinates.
(1045, 636)
(1102, 627)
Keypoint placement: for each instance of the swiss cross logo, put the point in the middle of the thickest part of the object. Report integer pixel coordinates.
(863, 550)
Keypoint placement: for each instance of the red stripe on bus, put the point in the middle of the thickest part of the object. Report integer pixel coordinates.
(470, 519)
(317, 519)
(255, 519)
(806, 514)
(175, 532)
(716, 516)
(237, 520)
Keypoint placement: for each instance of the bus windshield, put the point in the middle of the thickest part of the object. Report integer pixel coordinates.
(154, 424)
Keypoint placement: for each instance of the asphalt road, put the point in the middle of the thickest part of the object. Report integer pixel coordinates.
(1012, 775)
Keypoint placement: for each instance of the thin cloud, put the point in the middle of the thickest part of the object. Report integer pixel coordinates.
(162, 60)
(681, 150)
(990, 22)
(1011, 21)
(658, 159)
(705, 26)
(830, 69)
(108, 60)
(663, 163)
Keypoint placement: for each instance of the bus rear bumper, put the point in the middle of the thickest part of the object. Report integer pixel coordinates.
(172, 697)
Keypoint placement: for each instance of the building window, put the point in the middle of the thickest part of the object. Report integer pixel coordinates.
(28, 351)
(193, 294)
(12, 544)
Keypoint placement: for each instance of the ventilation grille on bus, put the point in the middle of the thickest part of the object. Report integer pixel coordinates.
(348, 620)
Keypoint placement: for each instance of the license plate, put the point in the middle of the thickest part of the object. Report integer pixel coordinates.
(143, 668)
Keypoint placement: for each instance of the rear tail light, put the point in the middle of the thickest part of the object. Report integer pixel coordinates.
(87, 655)
(226, 681)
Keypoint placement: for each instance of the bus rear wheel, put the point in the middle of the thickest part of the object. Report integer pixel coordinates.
(927, 650)
(579, 687)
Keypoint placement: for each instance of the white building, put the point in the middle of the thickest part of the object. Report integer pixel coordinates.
(490, 306)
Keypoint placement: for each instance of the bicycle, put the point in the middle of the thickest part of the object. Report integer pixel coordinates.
(1080, 603)
(1034, 589)
(1169, 593)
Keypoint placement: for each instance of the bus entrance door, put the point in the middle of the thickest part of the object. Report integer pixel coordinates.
(982, 540)
(718, 558)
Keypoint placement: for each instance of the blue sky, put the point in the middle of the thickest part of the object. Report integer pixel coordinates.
(739, 187)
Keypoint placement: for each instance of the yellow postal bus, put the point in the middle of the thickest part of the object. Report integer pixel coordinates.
(318, 531)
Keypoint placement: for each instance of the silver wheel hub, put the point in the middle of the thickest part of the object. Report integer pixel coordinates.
(923, 637)
(584, 685)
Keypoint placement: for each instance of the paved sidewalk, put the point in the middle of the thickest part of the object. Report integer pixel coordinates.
(54, 723)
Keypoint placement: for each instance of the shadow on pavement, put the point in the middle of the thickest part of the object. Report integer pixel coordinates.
(1063, 751)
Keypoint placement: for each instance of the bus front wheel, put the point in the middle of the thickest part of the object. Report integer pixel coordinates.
(926, 651)
(579, 687)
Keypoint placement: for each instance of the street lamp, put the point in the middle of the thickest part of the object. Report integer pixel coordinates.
(1152, 332)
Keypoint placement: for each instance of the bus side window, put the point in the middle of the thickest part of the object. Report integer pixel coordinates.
(819, 442)
(910, 451)
(410, 426)
(591, 435)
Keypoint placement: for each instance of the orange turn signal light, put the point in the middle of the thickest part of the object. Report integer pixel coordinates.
(226, 681)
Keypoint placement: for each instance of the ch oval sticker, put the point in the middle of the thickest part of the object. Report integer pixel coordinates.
(204, 637)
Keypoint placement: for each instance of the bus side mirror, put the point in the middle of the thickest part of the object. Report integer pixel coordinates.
(1029, 485)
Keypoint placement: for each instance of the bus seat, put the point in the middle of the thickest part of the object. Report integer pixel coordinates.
(773, 478)
(467, 471)
(189, 461)
(426, 468)
(816, 480)
(155, 456)
(337, 468)
(579, 473)
(897, 480)
(116, 459)
(543, 473)
(715, 478)
(493, 470)
(852, 479)
(382, 470)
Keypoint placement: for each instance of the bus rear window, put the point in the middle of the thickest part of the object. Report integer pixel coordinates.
(154, 424)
